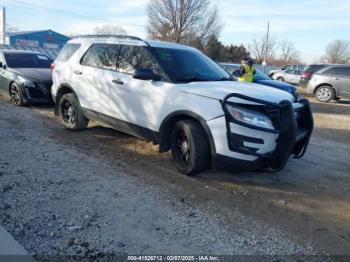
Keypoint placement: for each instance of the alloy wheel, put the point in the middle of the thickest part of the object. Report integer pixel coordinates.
(15, 94)
(324, 94)
(69, 112)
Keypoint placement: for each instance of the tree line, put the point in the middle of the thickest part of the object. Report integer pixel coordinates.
(197, 23)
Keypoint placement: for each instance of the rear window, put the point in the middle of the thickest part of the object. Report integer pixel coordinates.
(67, 52)
(22, 60)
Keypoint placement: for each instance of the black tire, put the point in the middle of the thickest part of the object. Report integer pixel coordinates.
(190, 147)
(280, 78)
(71, 113)
(16, 95)
(324, 94)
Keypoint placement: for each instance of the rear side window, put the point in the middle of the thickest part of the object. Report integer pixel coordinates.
(134, 57)
(102, 56)
(314, 68)
(332, 71)
(344, 71)
(67, 52)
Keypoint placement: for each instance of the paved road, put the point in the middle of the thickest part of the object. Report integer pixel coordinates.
(100, 191)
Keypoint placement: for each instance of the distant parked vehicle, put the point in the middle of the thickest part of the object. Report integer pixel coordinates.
(288, 67)
(259, 78)
(308, 73)
(331, 82)
(289, 76)
(25, 76)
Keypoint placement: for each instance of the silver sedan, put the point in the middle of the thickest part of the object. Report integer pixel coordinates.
(289, 76)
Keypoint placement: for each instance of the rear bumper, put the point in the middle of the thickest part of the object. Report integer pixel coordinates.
(251, 147)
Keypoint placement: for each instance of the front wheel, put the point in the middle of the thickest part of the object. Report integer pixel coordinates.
(16, 95)
(324, 94)
(190, 147)
(71, 112)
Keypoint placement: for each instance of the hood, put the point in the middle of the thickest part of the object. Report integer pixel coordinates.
(218, 90)
(34, 74)
(278, 84)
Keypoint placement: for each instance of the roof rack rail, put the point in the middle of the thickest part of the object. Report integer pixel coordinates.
(116, 36)
(126, 37)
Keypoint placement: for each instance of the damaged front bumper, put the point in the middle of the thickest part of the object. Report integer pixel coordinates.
(293, 126)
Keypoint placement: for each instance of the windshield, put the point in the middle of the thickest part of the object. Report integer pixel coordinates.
(18, 60)
(189, 65)
(259, 76)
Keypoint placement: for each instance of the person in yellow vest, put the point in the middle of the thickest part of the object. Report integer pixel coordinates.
(247, 70)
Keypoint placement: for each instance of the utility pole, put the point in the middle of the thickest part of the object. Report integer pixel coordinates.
(3, 26)
(266, 46)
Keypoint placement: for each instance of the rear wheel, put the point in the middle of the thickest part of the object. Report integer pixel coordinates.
(190, 147)
(280, 78)
(324, 94)
(16, 95)
(71, 112)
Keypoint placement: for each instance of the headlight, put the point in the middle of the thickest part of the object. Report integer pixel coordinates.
(250, 117)
(25, 82)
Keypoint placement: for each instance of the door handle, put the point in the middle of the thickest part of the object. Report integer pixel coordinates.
(78, 72)
(118, 81)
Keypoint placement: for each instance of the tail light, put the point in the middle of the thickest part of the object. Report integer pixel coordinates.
(307, 75)
(52, 67)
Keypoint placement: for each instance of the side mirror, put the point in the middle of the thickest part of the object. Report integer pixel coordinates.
(146, 74)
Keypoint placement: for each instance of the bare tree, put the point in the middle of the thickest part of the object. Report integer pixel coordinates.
(183, 20)
(337, 52)
(263, 48)
(109, 29)
(288, 51)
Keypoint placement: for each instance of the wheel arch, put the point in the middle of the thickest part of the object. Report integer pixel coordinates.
(325, 84)
(169, 122)
(10, 84)
(62, 90)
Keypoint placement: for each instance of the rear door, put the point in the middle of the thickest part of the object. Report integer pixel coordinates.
(99, 71)
(342, 81)
(140, 101)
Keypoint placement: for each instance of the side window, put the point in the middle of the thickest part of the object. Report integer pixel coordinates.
(67, 52)
(344, 71)
(102, 56)
(135, 57)
(289, 71)
(332, 71)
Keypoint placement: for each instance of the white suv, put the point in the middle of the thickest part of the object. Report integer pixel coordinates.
(177, 97)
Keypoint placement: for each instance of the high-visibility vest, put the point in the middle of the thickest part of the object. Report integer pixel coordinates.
(248, 74)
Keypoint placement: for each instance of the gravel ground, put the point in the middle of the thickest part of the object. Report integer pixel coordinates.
(60, 197)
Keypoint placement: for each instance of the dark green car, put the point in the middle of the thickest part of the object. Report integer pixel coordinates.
(25, 76)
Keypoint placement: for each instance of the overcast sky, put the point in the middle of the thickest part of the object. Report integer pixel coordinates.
(310, 24)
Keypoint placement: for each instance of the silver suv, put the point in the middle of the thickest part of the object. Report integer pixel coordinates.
(331, 82)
